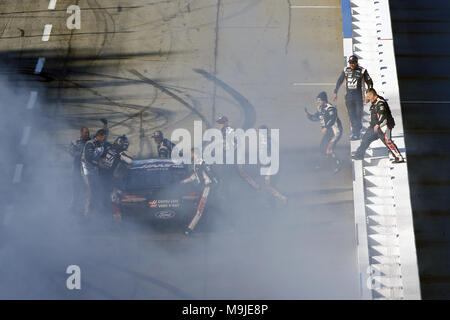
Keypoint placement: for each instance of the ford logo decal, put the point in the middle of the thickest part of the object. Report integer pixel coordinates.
(165, 214)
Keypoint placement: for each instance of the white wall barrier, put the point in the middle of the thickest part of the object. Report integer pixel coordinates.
(383, 217)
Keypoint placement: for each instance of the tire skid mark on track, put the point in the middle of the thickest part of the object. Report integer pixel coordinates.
(216, 53)
(288, 36)
(247, 107)
(171, 94)
(159, 114)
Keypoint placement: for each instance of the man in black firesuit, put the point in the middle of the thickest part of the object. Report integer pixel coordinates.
(113, 162)
(90, 161)
(331, 127)
(164, 145)
(75, 150)
(354, 76)
(203, 177)
(381, 124)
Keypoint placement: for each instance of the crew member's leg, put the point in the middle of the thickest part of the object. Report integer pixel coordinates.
(335, 137)
(359, 107)
(244, 175)
(323, 149)
(90, 183)
(325, 142)
(88, 196)
(352, 114)
(369, 137)
(385, 135)
(274, 192)
(200, 209)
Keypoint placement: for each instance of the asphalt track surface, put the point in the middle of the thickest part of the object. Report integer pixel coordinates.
(148, 65)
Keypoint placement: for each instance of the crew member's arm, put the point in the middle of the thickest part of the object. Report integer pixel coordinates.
(367, 79)
(381, 114)
(312, 117)
(74, 149)
(126, 158)
(338, 85)
(191, 178)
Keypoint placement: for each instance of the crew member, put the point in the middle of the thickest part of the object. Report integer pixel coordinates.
(381, 124)
(90, 161)
(331, 127)
(265, 142)
(226, 129)
(111, 167)
(202, 176)
(164, 145)
(75, 150)
(354, 76)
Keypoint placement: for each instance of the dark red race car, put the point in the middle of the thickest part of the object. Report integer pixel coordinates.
(151, 189)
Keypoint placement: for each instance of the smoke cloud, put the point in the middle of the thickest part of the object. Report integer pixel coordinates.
(249, 246)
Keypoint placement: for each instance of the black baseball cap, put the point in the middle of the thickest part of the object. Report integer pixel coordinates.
(222, 119)
(353, 59)
(323, 96)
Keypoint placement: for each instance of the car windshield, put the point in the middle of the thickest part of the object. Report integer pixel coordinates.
(154, 175)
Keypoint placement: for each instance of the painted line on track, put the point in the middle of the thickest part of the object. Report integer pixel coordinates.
(32, 100)
(39, 65)
(52, 5)
(25, 136)
(18, 173)
(47, 32)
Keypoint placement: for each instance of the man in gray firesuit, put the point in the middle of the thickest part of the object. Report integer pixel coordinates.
(90, 161)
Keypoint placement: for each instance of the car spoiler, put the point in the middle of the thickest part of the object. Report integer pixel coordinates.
(156, 164)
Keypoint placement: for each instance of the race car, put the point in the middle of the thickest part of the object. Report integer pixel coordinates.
(151, 189)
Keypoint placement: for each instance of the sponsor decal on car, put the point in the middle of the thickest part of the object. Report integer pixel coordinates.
(165, 214)
(174, 203)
